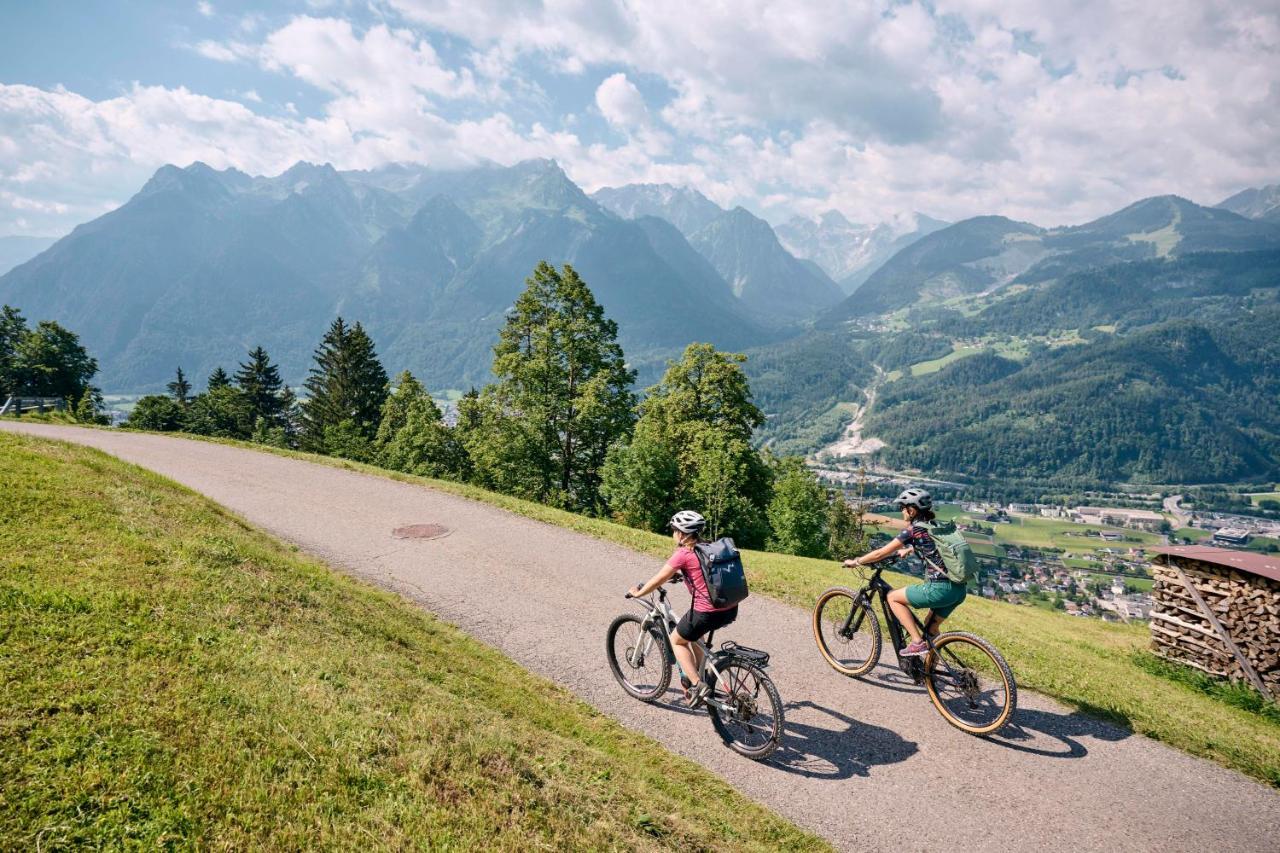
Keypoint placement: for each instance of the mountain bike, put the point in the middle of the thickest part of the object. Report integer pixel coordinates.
(744, 705)
(968, 679)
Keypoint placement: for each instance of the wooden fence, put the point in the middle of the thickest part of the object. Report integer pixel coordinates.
(15, 406)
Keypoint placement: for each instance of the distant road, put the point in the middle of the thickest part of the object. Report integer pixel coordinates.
(1173, 506)
(867, 765)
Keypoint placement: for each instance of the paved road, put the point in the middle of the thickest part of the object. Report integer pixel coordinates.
(857, 756)
(1172, 505)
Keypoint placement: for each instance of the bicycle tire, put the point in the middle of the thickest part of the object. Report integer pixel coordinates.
(772, 729)
(939, 674)
(663, 677)
(847, 659)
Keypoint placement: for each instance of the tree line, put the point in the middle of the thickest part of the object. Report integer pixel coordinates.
(560, 424)
(46, 361)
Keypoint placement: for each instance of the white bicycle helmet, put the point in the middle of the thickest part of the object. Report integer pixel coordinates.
(687, 521)
(916, 497)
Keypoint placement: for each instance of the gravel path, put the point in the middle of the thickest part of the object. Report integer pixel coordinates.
(857, 756)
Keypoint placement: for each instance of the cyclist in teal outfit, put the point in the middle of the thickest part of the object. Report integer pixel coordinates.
(939, 593)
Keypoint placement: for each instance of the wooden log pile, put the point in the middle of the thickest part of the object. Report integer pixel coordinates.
(1247, 606)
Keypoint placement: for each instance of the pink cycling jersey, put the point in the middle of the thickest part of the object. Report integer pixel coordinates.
(687, 562)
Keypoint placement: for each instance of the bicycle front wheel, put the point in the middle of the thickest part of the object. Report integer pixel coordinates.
(638, 657)
(970, 684)
(746, 710)
(847, 632)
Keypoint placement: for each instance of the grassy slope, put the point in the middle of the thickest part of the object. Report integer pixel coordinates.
(1087, 663)
(171, 677)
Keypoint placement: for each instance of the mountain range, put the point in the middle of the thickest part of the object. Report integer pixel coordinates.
(202, 264)
(1052, 353)
(743, 248)
(851, 252)
(1255, 203)
(19, 249)
(987, 254)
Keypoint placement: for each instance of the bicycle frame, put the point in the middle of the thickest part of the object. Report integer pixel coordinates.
(878, 586)
(662, 615)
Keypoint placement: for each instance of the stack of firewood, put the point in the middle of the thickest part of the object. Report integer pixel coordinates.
(1247, 606)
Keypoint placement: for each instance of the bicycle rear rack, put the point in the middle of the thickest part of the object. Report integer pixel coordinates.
(759, 657)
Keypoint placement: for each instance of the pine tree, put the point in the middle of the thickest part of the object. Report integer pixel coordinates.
(218, 379)
(260, 381)
(562, 398)
(346, 389)
(179, 389)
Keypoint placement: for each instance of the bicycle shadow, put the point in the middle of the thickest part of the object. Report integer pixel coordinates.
(821, 753)
(1036, 732)
(890, 677)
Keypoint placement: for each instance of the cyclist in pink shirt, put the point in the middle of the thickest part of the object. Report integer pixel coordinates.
(686, 527)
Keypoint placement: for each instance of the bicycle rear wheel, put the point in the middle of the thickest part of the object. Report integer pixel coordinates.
(751, 722)
(970, 684)
(851, 651)
(638, 657)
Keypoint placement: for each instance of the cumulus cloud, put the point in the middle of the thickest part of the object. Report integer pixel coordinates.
(621, 102)
(1042, 111)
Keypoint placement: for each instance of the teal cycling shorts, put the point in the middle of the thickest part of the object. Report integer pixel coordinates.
(941, 596)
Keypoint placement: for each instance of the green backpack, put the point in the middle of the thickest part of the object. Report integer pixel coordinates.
(954, 548)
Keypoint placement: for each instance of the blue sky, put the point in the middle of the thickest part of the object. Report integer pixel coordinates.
(1044, 111)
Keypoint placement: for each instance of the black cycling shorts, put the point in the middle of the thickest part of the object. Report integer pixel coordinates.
(695, 625)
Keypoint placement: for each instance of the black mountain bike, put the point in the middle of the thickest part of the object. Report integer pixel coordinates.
(967, 678)
(744, 705)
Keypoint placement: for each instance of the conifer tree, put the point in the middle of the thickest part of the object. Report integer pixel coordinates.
(180, 389)
(218, 379)
(260, 381)
(563, 394)
(345, 390)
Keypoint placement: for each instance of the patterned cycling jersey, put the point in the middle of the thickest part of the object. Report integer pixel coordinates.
(926, 549)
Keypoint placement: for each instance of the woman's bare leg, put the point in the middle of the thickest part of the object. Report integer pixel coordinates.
(686, 656)
(898, 604)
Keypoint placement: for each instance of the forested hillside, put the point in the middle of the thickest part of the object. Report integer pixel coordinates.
(1162, 371)
(1182, 401)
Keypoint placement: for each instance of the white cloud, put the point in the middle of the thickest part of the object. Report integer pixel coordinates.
(228, 51)
(621, 102)
(382, 64)
(1048, 112)
(205, 8)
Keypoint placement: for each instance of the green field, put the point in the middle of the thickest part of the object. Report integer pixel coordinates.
(1053, 533)
(934, 365)
(1258, 497)
(1143, 584)
(174, 679)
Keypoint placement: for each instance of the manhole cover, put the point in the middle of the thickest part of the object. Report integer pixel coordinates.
(420, 531)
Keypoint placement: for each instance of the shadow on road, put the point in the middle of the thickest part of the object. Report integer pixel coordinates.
(1054, 735)
(836, 753)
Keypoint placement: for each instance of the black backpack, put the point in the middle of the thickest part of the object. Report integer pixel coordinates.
(722, 568)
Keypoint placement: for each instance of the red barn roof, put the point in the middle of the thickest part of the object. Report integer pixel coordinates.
(1265, 565)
